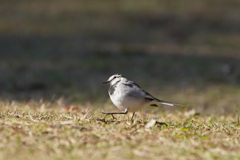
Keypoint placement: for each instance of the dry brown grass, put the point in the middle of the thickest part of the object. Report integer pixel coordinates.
(40, 131)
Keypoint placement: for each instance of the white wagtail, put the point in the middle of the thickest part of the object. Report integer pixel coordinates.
(128, 96)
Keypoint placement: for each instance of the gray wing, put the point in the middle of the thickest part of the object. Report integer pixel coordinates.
(149, 96)
(153, 100)
(131, 84)
(133, 90)
(137, 92)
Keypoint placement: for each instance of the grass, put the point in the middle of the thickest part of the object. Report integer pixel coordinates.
(54, 131)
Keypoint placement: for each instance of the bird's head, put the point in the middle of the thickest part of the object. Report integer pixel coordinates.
(113, 79)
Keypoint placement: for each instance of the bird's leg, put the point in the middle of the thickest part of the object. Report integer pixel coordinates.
(112, 113)
(113, 116)
(132, 116)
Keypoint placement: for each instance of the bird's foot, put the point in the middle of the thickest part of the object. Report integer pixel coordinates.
(113, 116)
(108, 114)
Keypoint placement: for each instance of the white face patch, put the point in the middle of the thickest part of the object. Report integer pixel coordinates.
(115, 78)
(111, 78)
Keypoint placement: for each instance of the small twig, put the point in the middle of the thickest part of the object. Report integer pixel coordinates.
(50, 101)
(84, 117)
(237, 115)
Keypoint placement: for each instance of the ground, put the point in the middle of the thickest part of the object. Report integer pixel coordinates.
(54, 131)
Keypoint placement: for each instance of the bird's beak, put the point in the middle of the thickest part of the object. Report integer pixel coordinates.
(106, 82)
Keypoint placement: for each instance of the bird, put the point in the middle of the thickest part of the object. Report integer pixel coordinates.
(128, 96)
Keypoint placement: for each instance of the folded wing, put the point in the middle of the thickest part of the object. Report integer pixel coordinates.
(153, 101)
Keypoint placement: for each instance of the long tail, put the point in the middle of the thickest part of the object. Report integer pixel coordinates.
(170, 103)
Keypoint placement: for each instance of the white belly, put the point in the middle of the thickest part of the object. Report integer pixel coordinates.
(123, 102)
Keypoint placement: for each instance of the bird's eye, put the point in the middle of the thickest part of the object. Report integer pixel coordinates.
(114, 77)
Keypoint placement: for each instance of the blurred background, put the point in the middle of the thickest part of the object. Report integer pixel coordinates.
(181, 51)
